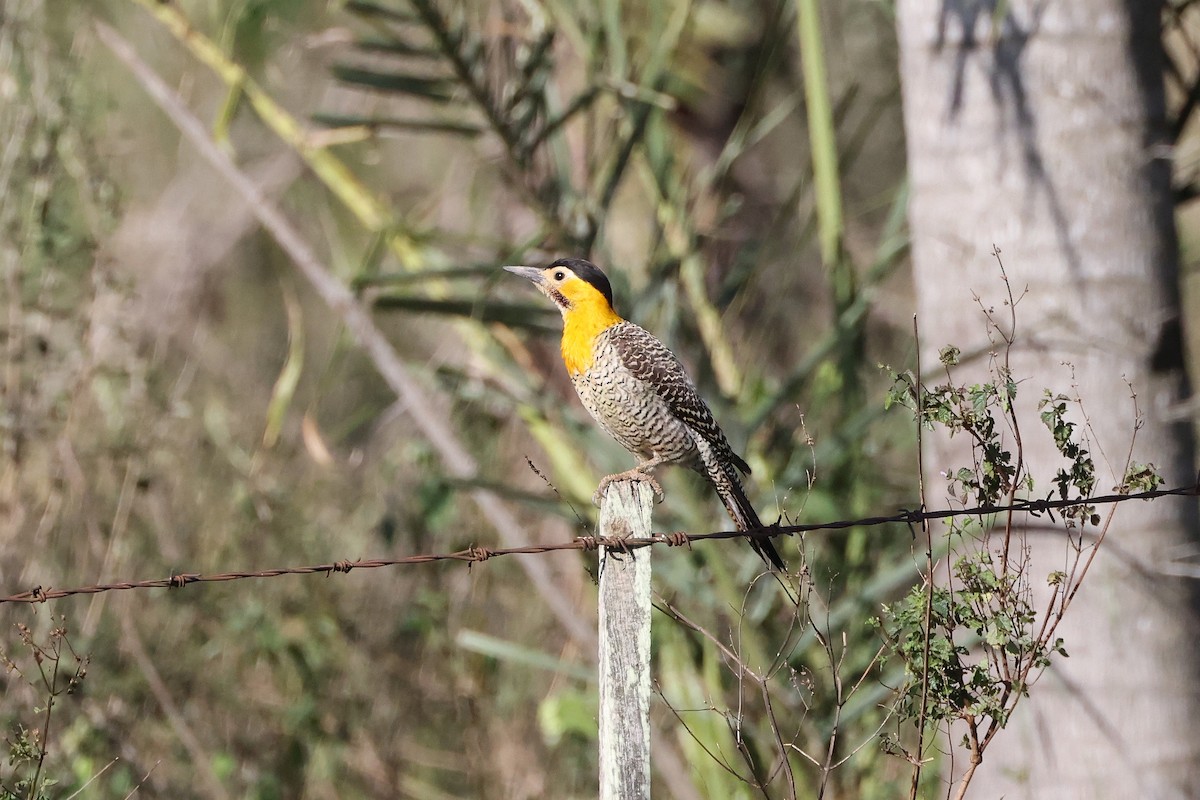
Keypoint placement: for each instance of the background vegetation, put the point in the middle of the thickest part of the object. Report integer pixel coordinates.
(177, 399)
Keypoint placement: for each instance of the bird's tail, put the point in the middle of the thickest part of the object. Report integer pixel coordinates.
(744, 516)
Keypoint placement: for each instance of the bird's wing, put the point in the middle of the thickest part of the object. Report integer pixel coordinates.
(650, 360)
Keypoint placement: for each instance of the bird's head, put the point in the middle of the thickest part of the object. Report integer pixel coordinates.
(572, 283)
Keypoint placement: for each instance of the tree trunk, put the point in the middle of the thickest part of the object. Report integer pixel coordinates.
(1038, 129)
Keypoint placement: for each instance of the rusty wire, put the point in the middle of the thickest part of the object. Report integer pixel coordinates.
(475, 554)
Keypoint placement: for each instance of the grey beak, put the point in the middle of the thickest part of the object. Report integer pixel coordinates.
(531, 273)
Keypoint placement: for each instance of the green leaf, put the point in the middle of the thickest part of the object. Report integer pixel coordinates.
(396, 47)
(438, 90)
(504, 650)
(822, 137)
(289, 377)
(433, 126)
(367, 9)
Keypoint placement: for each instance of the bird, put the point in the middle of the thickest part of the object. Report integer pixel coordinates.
(640, 393)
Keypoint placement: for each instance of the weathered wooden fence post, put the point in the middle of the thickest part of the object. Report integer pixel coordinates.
(625, 646)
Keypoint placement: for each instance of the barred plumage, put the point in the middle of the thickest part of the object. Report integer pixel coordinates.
(640, 393)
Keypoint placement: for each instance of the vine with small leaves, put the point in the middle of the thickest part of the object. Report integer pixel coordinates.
(971, 639)
(53, 670)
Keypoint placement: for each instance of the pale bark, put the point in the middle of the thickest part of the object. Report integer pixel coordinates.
(624, 657)
(1039, 134)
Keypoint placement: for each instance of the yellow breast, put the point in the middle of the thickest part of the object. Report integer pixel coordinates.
(586, 320)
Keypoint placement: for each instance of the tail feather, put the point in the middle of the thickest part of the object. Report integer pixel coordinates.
(733, 497)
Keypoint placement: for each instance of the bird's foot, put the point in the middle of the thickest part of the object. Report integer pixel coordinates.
(636, 474)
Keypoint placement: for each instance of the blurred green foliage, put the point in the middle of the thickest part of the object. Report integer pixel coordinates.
(175, 401)
(200, 411)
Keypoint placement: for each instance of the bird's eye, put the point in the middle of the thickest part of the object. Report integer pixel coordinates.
(559, 275)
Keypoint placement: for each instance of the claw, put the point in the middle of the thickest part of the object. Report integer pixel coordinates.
(637, 475)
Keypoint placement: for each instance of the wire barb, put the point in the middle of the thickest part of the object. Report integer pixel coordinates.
(480, 554)
(676, 539)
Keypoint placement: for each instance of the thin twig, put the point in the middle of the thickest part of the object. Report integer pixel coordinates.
(923, 716)
(90, 780)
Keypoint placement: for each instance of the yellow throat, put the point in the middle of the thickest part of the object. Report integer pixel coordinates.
(589, 315)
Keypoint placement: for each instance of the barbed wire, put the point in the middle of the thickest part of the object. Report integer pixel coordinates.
(476, 554)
